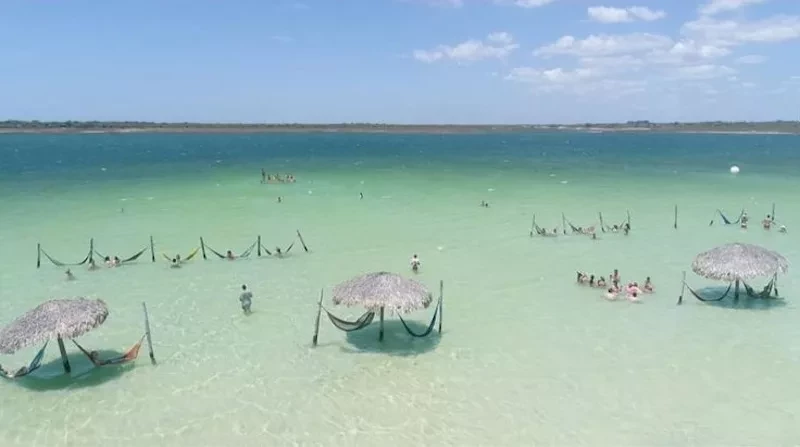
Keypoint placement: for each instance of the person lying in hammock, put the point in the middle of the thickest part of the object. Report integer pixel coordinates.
(94, 356)
(25, 370)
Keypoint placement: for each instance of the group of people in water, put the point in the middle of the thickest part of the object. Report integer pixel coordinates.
(276, 178)
(107, 260)
(632, 290)
(767, 223)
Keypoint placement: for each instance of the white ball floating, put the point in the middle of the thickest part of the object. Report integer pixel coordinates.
(734, 169)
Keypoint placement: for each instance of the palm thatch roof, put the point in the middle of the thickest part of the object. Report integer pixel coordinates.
(383, 290)
(66, 318)
(739, 262)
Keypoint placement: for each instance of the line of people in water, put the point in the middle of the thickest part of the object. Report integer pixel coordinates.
(276, 178)
(767, 223)
(632, 290)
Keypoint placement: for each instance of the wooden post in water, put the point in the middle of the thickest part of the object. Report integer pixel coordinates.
(441, 303)
(91, 250)
(380, 334)
(152, 250)
(147, 333)
(675, 225)
(259, 246)
(38, 255)
(602, 225)
(305, 248)
(203, 248)
(64, 359)
(773, 211)
(628, 213)
(563, 223)
(316, 324)
(683, 288)
(533, 224)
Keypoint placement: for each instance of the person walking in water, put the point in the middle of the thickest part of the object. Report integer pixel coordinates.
(246, 299)
(415, 263)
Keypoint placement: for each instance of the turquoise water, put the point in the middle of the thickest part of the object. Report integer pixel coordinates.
(526, 357)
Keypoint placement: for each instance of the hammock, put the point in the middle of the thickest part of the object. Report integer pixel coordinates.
(697, 295)
(765, 293)
(129, 356)
(130, 259)
(25, 370)
(244, 254)
(727, 221)
(350, 326)
(430, 326)
(187, 258)
(543, 232)
(64, 264)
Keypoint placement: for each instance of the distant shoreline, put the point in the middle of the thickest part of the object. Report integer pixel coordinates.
(94, 127)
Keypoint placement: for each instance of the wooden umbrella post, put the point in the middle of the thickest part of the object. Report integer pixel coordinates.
(258, 250)
(91, 250)
(441, 303)
(380, 334)
(64, 359)
(736, 291)
(675, 225)
(38, 255)
(602, 225)
(683, 288)
(203, 248)
(316, 324)
(152, 250)
(147, 333)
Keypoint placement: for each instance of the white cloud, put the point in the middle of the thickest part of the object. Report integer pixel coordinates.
(606, 45)
(701, 72)
(496, 46)
(731, 33)
(718, 6)
(605, 14)
(751, 59)
(554, 76)
(524, 3)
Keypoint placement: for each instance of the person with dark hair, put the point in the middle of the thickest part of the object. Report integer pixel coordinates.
(246, 299)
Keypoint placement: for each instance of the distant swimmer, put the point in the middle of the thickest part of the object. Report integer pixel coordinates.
(648, 285)
(246, 299)
(767, 222)
(626, 228)
(178, 258)
(484, 204)
(601, 282)
(614, 276)
(278, 252)
(229, 255)
(175, 264)
(611, 294)
(415, 263)
(280, 199)
(70, 276)
(361, 195)
(633, 297)
(782, 229)
(744, 219)
(116, 262)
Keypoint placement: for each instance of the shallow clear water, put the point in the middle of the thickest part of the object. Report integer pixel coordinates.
(526, 357)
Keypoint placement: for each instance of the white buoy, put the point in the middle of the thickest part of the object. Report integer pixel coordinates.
(734, 169)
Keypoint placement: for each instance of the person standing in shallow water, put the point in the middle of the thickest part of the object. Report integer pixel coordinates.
(415, 262)
(246, 299)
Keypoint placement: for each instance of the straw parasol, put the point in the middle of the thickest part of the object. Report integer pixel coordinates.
(59, 319)
(383, 290)
(738, 262)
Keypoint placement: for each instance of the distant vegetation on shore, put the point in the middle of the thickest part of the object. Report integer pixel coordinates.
(16, 126)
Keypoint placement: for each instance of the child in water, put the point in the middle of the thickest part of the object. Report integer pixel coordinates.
(611, 294)
(648, 285)
(246, 299)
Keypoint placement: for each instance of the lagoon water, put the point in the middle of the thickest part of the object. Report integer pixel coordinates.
(526, 357)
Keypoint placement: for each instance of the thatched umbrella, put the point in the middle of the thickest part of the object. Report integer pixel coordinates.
(738, 262)
(57, 319)
(382, 290)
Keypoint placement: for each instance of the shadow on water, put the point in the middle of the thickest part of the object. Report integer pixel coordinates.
(50, 376)
(743, 302)
(396, 340)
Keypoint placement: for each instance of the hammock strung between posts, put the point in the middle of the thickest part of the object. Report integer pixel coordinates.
(350, 326)
(726, 221)
(282, 252)
(765, 293)
(129, 356)
(65, 264)
(543, 232)
(697, 295)
(244, 254)
(25, 370)
(430, 326)
(187, 258)
(579, 230)
(130, 259)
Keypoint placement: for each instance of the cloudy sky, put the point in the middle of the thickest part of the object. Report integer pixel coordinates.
(401, 61)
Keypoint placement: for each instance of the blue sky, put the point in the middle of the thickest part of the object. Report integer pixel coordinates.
(400, 61)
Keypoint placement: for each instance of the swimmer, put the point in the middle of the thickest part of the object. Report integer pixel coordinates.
(229, 255)
(744, 219)
(601, 282)
(782, 229)
(70, 276)
(361, 195)
(633, 297)
(614, 228)
(175, 264)
(107, 260)
(594, 236)
(178, 258)
(591, 281)
(280, 199)
(611, 294)
(278, 252)
(92, 265)
(246, 299)
(767, 222)
(415, 263)
(626, 228)
(648, 285)
(116, 262)
(614, 276)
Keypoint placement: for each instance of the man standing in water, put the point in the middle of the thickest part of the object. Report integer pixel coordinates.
(415, 262)
(246, 298)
